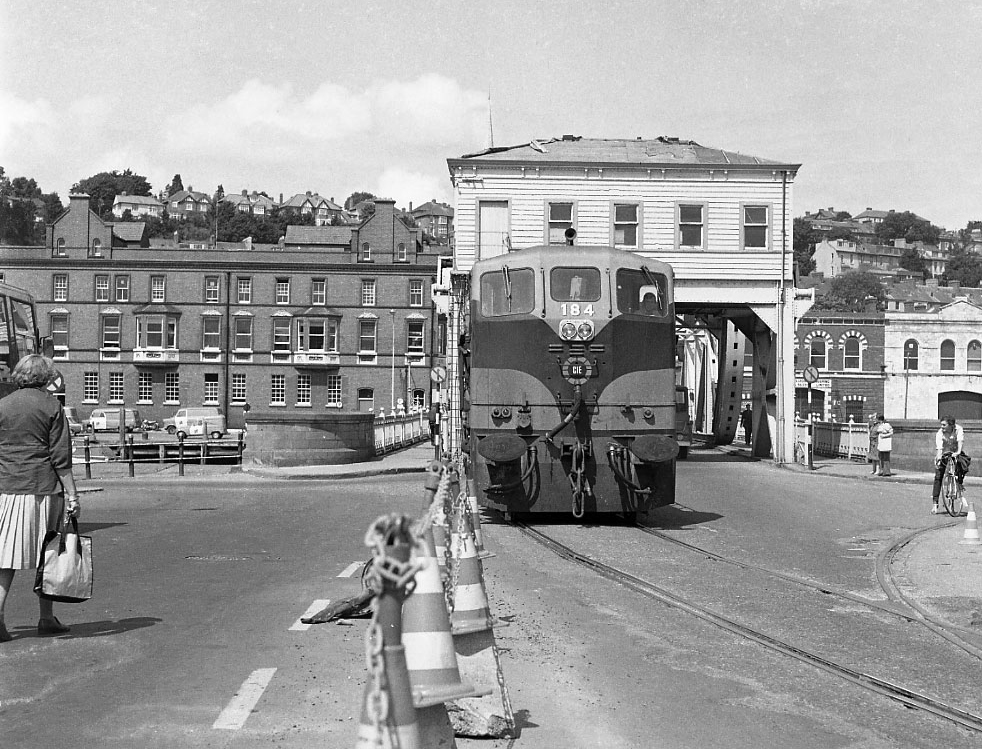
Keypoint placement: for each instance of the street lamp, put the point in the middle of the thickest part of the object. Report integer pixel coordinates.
(392, 385)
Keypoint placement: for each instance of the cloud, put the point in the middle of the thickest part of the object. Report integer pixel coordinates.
(407, 187)
(273, 121)
(24, 124)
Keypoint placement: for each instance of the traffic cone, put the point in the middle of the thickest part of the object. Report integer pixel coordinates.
(426, 634)
(477, 655)
(470, 601)
(476, 520)
(971, 537)
(388, 718)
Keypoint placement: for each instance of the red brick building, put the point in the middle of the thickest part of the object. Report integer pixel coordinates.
(304, 326)
(847, 351)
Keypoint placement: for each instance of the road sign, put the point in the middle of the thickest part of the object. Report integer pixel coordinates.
(57, 385)
(810, 374)
(438, 373)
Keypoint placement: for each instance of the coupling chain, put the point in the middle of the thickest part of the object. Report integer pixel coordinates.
(576, 472)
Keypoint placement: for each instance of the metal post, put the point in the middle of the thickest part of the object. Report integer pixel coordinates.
(87, 451)
(241, 447)
(811, 436)
(129, 456)
(180, 455)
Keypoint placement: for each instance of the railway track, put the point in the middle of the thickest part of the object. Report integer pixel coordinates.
(899, 604)
(908, 697)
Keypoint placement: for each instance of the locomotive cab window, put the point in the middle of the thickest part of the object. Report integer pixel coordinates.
(574, 284)
(507, 292)
(642, 292)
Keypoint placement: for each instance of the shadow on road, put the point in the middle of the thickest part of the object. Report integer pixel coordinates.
(103, 628)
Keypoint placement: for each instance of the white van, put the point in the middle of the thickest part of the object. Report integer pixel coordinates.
(107, 420)
(196, 421)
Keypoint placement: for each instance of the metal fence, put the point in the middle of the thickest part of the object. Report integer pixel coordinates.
(831, 439)
(393, 432)
(148, 451)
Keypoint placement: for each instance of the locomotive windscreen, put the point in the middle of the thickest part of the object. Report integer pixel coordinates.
(507, 292)
(642, 292)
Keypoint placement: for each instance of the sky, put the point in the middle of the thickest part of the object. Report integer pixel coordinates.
(878, 101)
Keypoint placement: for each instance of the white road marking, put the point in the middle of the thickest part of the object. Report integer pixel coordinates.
(237, 711)
(298, 625)
(351, 569)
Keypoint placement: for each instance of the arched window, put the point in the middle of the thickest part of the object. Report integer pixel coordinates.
(96, 247)
(817, 356)
(60, 247)
(947, 356)
(366, 252)
(850, 354)
(910, 354)
(973, 359)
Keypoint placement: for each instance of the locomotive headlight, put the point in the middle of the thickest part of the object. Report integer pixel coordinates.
(585, 330)
(568, 331)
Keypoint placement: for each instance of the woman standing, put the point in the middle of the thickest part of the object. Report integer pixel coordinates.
(35, 471)
(873, 452)
(884, 443)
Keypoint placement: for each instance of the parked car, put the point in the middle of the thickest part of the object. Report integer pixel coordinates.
(75, 426)
(107, 420)
(196, 421)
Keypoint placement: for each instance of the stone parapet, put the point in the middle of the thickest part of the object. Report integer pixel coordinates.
(283, 439)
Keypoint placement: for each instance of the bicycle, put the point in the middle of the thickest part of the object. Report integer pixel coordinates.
(952, 497)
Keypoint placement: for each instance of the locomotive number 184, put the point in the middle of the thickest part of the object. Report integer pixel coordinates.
(575, 309)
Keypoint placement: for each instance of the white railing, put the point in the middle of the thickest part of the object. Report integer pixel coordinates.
(831, 439)
(392, 432)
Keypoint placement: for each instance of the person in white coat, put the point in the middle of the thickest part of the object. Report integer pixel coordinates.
(884, 444)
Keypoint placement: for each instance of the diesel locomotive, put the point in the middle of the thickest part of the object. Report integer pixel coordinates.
(568, 381)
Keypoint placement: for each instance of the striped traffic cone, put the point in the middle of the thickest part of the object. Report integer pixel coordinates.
(426, 634)
(470, 600)
(476, 520)
(388, 718)
(477, 655)
(971, 537)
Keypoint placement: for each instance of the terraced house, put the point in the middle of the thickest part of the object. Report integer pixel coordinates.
(337, 323)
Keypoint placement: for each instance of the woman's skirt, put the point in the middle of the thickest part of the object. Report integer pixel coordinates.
(24, 521)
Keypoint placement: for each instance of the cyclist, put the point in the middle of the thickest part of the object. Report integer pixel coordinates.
(948, 443)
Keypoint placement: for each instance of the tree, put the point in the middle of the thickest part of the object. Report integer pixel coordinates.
(913, 260)
(855, 291)
(804, 241)
(963, 266)
(905, 225)
(102, 189)
(52, 206)
(176, 185)
(16, 221)
(219, 194)
(355, 198)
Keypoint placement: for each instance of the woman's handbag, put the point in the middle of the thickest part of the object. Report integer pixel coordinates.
(65, 568)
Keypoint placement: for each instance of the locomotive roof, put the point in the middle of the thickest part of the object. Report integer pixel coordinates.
(586, 255)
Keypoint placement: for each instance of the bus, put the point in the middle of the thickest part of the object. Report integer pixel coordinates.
(19, 335)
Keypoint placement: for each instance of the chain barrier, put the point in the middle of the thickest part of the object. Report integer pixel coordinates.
(457, 539)
(401, 576)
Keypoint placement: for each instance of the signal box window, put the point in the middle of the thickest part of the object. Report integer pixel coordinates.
(754, 226)
(575, 284)
(507, 292)
(691, 229)
(560, 217)
(642, 292)
(626, 225)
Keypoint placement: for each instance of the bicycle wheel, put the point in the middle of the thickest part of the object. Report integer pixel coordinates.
(949, 494)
